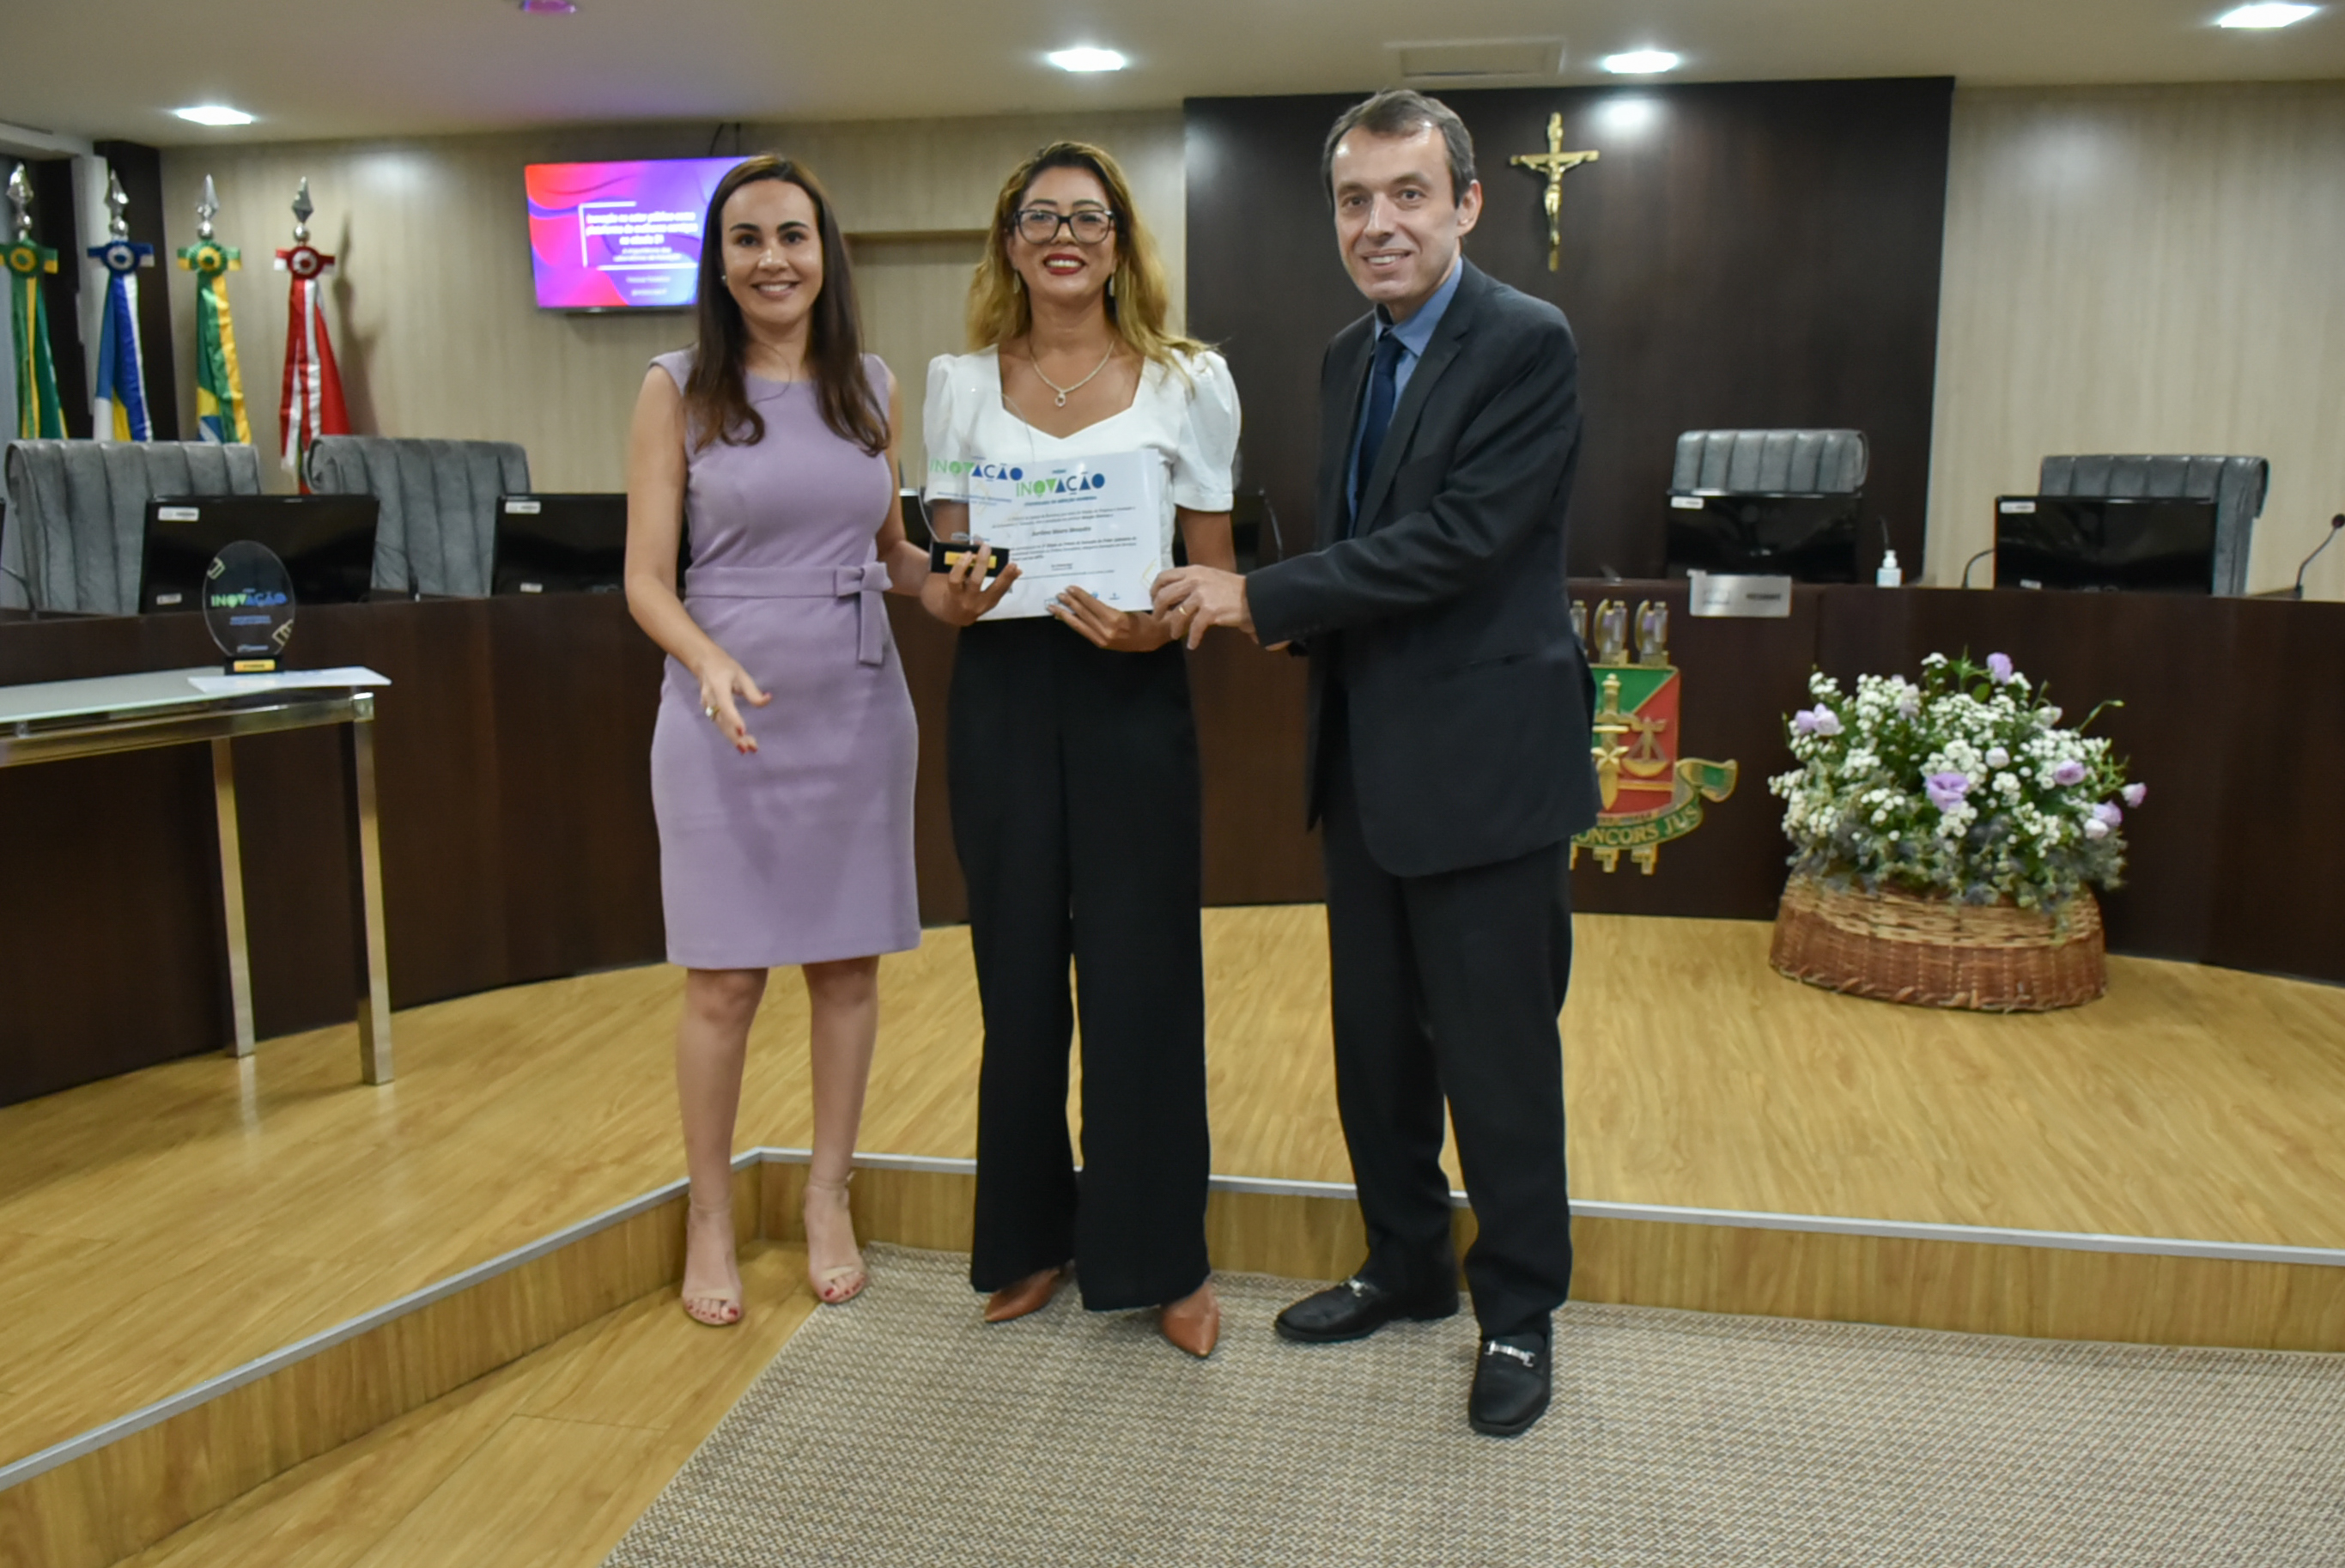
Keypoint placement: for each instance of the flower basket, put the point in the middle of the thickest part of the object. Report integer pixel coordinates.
(1946, 836)
(1938, 952)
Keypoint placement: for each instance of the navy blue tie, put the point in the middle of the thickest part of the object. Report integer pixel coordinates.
(1378, 419)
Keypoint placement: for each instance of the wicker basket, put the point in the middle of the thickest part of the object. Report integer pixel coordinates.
(1932, 952)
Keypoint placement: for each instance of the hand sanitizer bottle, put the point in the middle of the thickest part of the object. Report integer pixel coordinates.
(1890, 574)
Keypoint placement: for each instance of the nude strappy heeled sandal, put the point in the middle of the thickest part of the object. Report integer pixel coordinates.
(833, 1285)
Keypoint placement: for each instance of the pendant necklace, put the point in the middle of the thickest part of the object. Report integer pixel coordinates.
(1079, 386)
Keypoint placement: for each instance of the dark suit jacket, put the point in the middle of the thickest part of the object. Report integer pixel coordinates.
(1446, 616)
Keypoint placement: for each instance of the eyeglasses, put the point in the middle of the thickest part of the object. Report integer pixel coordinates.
(1039, 225)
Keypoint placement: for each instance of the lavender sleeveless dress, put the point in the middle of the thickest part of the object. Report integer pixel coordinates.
(801, 853)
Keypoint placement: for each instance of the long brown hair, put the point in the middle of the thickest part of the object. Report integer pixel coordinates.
(1139, 298)
(716, 394)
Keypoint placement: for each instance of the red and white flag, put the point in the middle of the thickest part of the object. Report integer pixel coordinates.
(312, 404)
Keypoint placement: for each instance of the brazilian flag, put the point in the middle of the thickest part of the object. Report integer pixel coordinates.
(40, 414)
(220, 384)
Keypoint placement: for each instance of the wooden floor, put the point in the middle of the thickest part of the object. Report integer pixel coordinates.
(161, 1228)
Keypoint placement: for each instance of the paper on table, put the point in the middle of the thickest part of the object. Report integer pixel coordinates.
(1095, 523)
(343, 678)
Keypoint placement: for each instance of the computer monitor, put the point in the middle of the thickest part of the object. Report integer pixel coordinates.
(571, 543)
(327, 543)
(2162, 545)
(1806, 537)
(565, 544)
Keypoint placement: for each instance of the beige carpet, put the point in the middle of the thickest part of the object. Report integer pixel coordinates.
(900, 1431)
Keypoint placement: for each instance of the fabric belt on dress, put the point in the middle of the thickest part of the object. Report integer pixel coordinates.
(863, 584)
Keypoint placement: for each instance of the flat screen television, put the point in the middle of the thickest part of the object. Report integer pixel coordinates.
(619, 236)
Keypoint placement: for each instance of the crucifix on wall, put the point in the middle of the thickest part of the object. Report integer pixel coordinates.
(1555, 163)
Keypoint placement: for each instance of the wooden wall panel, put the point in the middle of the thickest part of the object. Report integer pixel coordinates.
(431, 302)
(1761, 254)
(2146, 268)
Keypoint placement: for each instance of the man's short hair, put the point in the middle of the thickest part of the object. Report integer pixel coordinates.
(1400, 112)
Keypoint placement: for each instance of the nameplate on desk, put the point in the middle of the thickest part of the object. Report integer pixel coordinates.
(522, 508)
(1720, 595)
(1685, 503)
(178, 515)
(2015, 508)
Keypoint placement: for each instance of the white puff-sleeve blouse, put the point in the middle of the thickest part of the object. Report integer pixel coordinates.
(1190, 420)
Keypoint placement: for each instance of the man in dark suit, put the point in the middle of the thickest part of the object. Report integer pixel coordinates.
(1450, 747)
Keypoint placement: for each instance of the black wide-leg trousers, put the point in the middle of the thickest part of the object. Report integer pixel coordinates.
(1446, 987)
(1074, 783)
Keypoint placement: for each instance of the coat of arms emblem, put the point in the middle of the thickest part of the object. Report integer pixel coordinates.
(1650, 793)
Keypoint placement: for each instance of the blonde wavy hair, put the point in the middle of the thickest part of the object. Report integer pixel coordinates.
(1138, 295)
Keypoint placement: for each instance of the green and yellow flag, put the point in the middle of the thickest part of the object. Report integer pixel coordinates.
(220, 384)
(40, 414)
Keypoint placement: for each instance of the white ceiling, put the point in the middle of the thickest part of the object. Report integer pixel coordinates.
(334, 68)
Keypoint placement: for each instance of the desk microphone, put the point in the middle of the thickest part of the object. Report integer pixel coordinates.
(2335, 523)
(1974, 561)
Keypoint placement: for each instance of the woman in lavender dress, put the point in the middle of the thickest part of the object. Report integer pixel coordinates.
(791, 842)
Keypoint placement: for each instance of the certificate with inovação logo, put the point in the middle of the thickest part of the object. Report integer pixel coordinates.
(1092, 523)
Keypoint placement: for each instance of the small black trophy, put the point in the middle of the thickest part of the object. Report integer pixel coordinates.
(249, 607)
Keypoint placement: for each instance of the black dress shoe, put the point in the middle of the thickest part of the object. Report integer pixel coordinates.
(1513, 1379)
(1356, 1310)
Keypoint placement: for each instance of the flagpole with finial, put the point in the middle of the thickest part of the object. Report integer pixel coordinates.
(119, 410)
(220, 413)
(40, 413)
(313, 401)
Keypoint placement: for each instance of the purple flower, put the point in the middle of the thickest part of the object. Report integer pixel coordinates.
(1946, 790)
(2095, 829)
(2069, 772)
(2135, 794)
(2108, 813)
(1816, 720)
(1998, 666)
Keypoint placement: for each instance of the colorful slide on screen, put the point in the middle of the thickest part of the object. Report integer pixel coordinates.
(616, 236)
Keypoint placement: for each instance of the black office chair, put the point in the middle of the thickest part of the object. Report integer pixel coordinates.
(440, 498)
(1770, 463)
(77, 515)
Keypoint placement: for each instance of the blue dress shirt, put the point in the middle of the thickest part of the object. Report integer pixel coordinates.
(1414, 334)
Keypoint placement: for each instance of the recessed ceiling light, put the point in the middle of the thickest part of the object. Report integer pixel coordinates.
(214, 115)
(1641, 62)
(2264, 16)
(1088, 60)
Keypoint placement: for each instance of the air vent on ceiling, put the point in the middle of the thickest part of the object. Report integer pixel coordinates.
(1479, 59)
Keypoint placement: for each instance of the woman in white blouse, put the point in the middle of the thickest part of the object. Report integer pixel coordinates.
(1074, 762)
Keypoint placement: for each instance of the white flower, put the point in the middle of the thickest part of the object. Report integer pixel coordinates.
(2095, 829)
